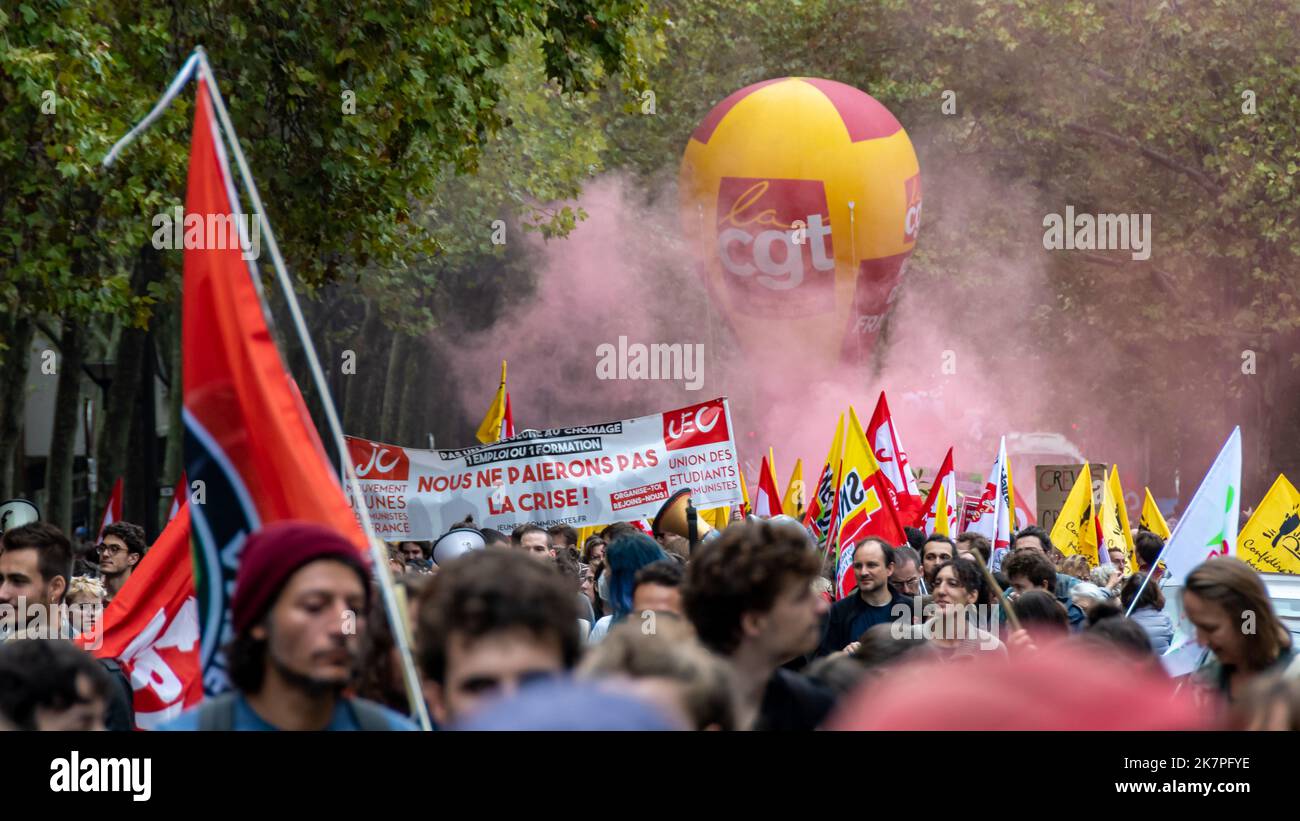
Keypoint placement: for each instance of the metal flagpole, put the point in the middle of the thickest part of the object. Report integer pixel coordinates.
(198, 60)
(377, 554)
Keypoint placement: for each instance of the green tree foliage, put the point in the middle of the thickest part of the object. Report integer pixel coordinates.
(1110, 107)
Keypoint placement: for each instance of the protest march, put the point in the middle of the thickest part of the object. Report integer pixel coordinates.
(539, 367)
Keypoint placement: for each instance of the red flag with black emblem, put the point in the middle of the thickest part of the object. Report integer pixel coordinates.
(250, 447)
(151, 627)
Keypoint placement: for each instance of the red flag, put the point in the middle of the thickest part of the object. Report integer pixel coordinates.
(767, 499)
(152, 628)
(1023, 511)
(249, 443)
(178, 497)
(508, 421)
(942, 501)
(112, 513)
(887, 448)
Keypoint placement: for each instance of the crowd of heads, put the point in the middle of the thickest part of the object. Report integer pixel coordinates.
(656, 633)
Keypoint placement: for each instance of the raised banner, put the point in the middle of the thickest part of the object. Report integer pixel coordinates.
(579, 476)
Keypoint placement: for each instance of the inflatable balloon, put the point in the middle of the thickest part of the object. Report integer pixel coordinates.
(802, 198)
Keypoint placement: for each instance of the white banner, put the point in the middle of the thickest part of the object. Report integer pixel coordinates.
(590, 475)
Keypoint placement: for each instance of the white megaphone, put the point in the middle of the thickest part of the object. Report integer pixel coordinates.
(456, 542)
(16, 513)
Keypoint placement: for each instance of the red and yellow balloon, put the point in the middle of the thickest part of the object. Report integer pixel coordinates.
(803, 199)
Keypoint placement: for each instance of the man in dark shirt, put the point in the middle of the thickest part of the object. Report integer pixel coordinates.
(875, 602)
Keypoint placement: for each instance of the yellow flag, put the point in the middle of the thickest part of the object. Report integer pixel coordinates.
(792, 502)
(744, 495)
(941, 504)
(585, 533)
(1074, 531)
(1270, 541)
(490, 430)
(719, 517)
(1152, 519)
(819, 507)
(1114, 519)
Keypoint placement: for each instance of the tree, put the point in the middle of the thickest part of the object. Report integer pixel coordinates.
(348, 111)
(1108, 107)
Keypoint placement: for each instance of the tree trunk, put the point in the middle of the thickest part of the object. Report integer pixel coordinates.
(126, 386)
(63, 439)
(395, 380)
(364, 362)
(13, 396)
(414, 423)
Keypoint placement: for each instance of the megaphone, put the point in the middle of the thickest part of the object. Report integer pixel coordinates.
(456, 542)
(16, 513)
(679, 517)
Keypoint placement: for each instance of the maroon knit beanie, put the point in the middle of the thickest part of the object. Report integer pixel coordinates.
(273, 554)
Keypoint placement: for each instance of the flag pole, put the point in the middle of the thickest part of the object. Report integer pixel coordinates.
(198, 61)
(378, 556)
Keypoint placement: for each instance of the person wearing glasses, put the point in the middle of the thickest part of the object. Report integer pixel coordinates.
(874, 602)
(906, 576)
(121, 547)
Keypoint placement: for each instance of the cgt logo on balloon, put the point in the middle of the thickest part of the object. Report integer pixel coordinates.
(774, 238)
(801, 199)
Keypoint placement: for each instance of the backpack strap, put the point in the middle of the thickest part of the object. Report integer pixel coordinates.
(218, 713)
(371, 718)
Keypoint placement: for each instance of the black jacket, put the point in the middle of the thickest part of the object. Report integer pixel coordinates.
(850, 617)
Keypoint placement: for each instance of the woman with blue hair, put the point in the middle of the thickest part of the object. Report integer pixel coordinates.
(624, 556)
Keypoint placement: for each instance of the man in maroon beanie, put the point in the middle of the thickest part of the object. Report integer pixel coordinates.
(298, 611)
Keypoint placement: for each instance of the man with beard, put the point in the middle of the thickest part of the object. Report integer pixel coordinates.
(874, 602)
(298, 611)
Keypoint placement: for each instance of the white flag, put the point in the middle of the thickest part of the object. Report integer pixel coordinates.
(1208, 527)
(993, 519)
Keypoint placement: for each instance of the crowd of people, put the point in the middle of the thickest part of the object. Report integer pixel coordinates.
(627, 631)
